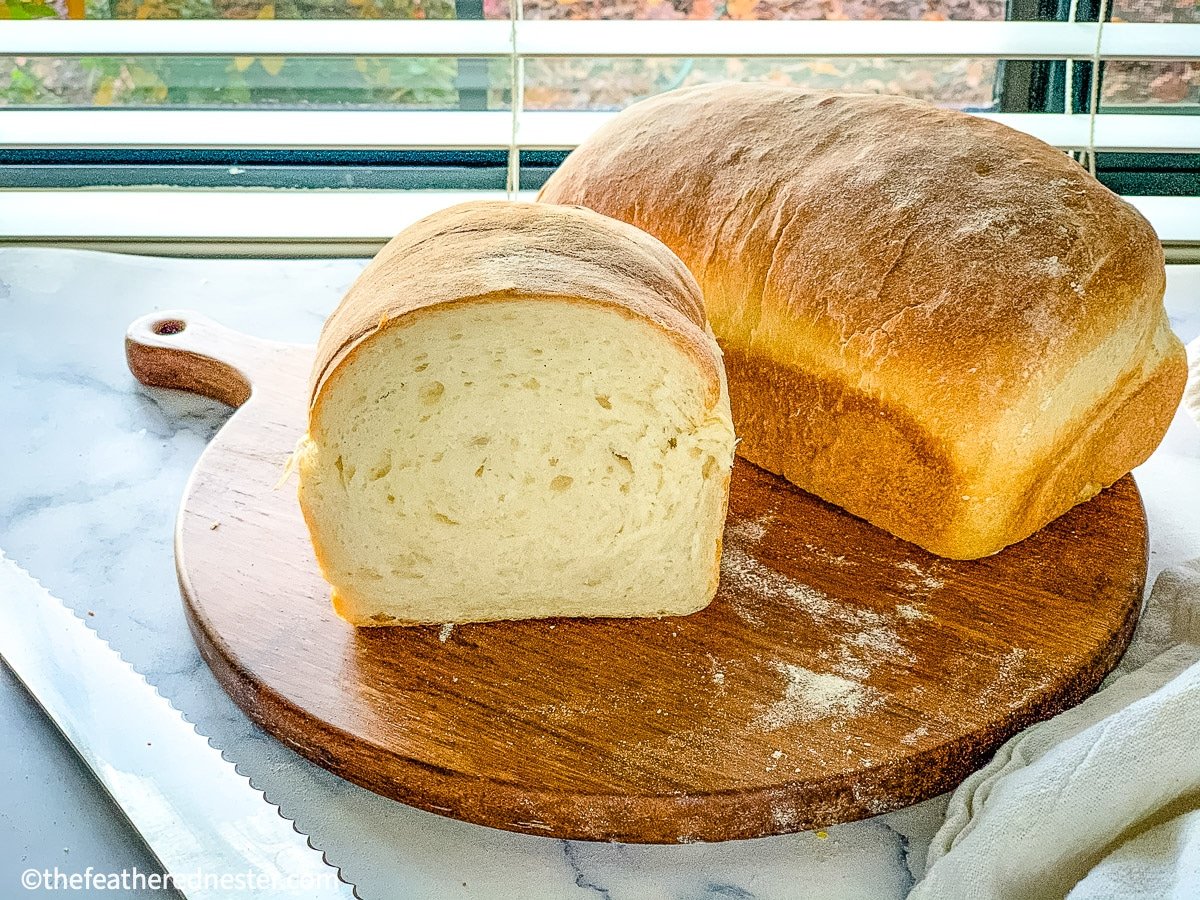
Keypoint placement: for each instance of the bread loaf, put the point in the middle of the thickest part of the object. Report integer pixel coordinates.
(934, 321)
(517, 411)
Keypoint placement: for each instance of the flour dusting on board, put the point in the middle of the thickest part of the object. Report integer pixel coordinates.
(810, 695)
(756, 583)
(749, 530)
(716, 673)
(925, 581)
(864, 638)
(823, 554)
(915, 735)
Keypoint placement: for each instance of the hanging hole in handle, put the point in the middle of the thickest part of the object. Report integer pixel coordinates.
(169, 326)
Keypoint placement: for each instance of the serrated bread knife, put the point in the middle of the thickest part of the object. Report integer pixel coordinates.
(215, 835)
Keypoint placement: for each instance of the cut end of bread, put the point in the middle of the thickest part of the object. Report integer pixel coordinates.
(517, 458)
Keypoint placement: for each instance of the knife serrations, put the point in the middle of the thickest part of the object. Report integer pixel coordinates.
(215, 834)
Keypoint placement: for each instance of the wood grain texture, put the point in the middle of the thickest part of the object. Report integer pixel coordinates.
(839, 673)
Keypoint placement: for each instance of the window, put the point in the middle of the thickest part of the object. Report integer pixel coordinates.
(164, 114)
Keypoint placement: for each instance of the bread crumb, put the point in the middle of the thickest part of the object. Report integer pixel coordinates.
(821, 835)
(214, 526)
(444, 633)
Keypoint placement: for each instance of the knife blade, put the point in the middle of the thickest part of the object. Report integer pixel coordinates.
(213, 833)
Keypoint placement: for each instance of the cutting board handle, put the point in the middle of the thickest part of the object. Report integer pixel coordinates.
(189, 352)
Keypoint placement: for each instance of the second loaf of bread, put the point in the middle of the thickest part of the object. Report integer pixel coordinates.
(938, 323)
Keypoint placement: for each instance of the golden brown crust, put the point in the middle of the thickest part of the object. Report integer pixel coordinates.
(965, 295)
(810, 443)
(485, 251)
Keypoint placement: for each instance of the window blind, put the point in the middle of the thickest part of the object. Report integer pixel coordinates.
(31, 215)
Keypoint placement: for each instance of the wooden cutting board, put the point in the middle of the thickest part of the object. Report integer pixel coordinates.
(839, 673)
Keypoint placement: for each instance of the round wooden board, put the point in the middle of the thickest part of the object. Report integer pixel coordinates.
(839, 673)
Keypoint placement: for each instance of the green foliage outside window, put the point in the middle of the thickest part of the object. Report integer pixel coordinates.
(219, 82)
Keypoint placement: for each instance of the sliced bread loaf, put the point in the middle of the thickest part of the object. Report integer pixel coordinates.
(518, 411)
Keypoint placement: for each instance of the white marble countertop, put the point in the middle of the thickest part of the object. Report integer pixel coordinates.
(95, 465)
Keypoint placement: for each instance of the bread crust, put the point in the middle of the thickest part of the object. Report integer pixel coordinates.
(967, 296)
(494, 250)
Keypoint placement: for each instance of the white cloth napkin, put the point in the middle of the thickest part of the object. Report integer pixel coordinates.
(1101, 802)
(1191, 396)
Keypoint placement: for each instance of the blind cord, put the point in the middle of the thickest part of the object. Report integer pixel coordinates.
(1094, 93)
(1069, 80)
(516, 98)
(1087, 156)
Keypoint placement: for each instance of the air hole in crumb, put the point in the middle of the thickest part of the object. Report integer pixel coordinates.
(604, 401)
(444, 519)
(695, 452)
(624, 462)
(169, 326)
(421, 368)
(345, 472)
(532, 383)
(710, 467)
(536, 351)
(482, 441)
(382, 467)
(553, 461)
(561, 482)
(673, 443)
(479, 472)
(457, 336)
(437, 457)
(432, 392)
(391, 498)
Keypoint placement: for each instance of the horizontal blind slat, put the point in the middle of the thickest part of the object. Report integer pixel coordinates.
(200, 37)
(319, 215)
(602, 38)
(468, 130)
